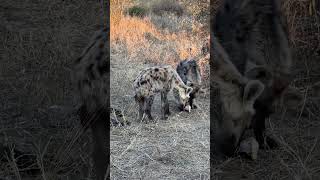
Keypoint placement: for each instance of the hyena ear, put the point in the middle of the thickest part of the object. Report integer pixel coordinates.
(252, 91)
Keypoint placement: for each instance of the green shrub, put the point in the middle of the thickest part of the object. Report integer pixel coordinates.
(137, 11)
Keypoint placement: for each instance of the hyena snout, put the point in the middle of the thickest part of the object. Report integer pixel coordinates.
(185, 106)
(238, 112)
(186, 98)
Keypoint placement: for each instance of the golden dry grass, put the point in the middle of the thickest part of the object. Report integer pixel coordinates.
(145, 41)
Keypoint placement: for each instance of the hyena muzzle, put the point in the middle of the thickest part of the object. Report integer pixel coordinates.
(189, 73)
(251, 64)
(159, 79)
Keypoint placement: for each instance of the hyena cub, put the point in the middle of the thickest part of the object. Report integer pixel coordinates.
(157, 79)
(189, 73)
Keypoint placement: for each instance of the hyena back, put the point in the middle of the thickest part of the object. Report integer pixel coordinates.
(189, 73)
(251, 64)
(91, 76)
(159, 79)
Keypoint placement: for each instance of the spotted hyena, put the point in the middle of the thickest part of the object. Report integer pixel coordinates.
(159, 79)
(91, 76)
(251, 63)
(189, 73)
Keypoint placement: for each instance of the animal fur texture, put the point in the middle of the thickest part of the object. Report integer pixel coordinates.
(159, 79)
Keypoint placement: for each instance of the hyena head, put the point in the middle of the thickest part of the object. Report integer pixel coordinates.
(238, 96)
(182, 93)
(251, 65)
(189, 72)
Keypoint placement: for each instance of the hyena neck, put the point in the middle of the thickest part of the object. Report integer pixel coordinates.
(96, 48)
(92, 70)
(177, 82)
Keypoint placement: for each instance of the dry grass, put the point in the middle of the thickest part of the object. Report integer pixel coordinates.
(39, 42)
(157, 39)
(173, 149)
(167, 6)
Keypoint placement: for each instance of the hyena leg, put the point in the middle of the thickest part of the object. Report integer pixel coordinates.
(141, 109)
(165, 105)
(259, 130)
(100, 131)
(149, 102)
(192, 101)
(141, 102)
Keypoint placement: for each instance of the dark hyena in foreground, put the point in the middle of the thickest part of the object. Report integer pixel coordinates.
(91, 75)
(161, 79)
(189, 72)
(251, 63)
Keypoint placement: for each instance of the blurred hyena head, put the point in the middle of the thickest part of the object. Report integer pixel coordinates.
(237, 95)
(183, 97)
(189, 72)
(251, 62)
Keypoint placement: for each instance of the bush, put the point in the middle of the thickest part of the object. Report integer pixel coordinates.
(137, 11)
(167, 6)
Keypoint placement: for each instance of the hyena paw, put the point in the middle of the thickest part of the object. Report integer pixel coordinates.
(148, 120)
(165, 117)
(181, 107)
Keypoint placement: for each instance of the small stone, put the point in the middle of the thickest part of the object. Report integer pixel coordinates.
(250, 146)
(187, 108)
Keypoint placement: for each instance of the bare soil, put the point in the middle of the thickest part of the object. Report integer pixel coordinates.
(176, 148)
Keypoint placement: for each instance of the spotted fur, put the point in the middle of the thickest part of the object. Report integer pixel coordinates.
(159, 79)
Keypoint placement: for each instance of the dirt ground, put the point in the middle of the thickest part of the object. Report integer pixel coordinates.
(177, 148)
